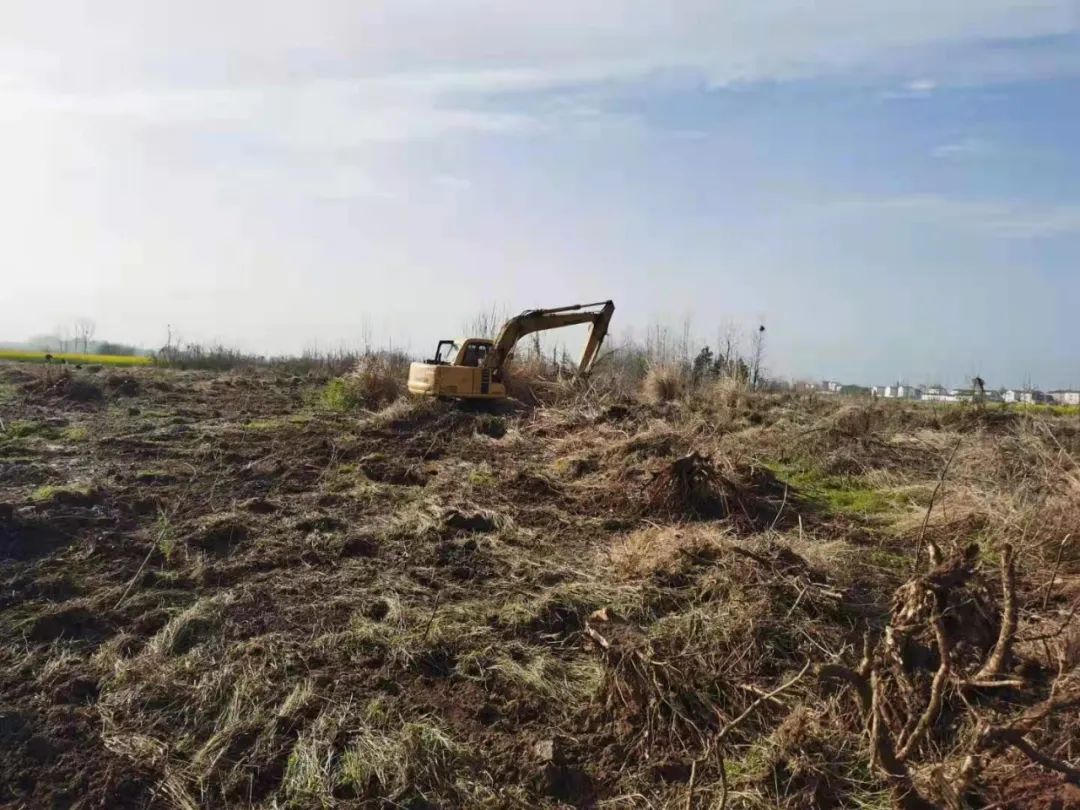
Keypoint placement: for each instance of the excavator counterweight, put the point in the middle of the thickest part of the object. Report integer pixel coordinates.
(474, 368)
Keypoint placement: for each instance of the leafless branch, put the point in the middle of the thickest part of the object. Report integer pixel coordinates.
(934, 551)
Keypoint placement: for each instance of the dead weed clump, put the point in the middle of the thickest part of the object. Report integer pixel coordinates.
(690, 487)
(730, 630)
(651, 550)
(663, 383)
(694, 487)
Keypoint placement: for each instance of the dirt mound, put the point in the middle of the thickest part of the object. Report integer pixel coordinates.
(122, 385)
(690, 487)
(968, 419)
(74, 622)
(25, 536)
(694, 487)
(387, 471)
(65, 385)
(454, 521)
(219, 534)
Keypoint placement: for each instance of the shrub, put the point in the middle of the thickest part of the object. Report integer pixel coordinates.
(376, 381)
(663, 383)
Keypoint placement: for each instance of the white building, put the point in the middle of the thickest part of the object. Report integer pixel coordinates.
(908, 392)
(936, 393)
(831, 386)
(898, 391)
(1033, 397)
(1065, 397)
(1011, 395)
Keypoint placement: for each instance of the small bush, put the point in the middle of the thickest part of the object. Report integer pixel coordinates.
(663, 383)
(377, 380)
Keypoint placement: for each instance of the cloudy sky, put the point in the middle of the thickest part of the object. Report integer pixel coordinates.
(893, 188)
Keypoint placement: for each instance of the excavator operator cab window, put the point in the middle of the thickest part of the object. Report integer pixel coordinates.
(445, 353)
(475, 354)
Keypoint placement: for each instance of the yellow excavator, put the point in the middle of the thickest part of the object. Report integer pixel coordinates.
(475, 368)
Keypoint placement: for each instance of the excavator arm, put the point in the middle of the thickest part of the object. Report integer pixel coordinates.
(539, 320)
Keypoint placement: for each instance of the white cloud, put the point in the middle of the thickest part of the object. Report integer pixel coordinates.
(964, 148)
(914, 89)
(514, 40)
(152, 146)
(336, 73)
(995, 219)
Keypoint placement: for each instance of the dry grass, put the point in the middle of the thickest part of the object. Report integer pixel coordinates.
(663, 549)
(663, 383)
(431, 606)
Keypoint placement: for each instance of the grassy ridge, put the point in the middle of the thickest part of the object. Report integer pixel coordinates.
(21, 356)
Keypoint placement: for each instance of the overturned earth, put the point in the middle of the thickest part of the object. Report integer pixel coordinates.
(217, 592)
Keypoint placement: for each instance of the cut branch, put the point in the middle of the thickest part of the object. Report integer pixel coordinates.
(999, 657)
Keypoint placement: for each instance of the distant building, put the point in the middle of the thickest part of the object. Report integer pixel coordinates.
(962, 394)
(937, 393)
(898, 391)
(831, 386)
(1065, 397)
(1033, 397)
(908, 392)
(1010, 395)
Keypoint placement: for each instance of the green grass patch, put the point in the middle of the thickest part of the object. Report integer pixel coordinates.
(482, 477)
(882, 558)
(1055, 410)
(23, 429)
(839, 493)
(20, 356)
(70, 492)
(339, 396)
(75, 433)
(264, 424)
(153, 474)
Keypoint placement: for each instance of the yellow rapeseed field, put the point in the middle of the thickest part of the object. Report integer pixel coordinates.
(21, 356)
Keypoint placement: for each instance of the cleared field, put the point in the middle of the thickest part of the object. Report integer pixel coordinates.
(241, 590)
(19, 356)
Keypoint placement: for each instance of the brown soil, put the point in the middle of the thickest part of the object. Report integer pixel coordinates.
(214, 593)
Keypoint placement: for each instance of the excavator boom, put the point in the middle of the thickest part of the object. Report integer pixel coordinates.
(539, 320)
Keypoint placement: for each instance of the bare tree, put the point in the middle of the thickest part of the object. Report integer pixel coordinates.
(757, 355)
(84, 330)
(487, 322)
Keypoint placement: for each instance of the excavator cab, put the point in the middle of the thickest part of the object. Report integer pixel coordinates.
(462, 352)
(457, 370)
(472, 368)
